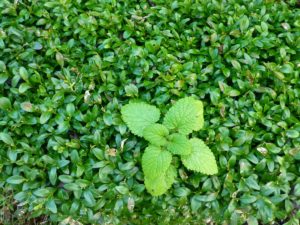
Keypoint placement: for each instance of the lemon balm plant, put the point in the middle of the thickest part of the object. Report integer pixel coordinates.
(168, 139)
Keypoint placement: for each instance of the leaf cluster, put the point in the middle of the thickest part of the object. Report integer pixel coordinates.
(169, 138)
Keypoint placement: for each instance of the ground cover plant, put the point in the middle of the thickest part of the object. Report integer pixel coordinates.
(168, 139)
(68, 67)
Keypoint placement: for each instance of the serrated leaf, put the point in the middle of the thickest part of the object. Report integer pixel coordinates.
(156, 134)
(156, 186)
(201, 158)
(155, 161)
(185, 116)
(159, 185)
(179, 144)
(138, 116)
(170, 176)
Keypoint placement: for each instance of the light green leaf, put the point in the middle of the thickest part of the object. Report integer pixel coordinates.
(170, 176)
(156, 134)
(185, 116)
(201, 159)
(159, 185)
(138, 116)
(155, 161)
(179, 144)
(156, 186)
(5, 103)
(6, 138)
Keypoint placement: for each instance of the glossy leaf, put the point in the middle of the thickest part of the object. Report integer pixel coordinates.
(5, 103)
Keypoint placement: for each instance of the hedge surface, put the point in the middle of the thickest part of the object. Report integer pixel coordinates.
(67, 67)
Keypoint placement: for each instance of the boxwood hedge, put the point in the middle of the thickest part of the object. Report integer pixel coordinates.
(68, 66)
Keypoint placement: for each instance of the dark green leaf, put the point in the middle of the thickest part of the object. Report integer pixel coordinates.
(6, 138)
(16, 179)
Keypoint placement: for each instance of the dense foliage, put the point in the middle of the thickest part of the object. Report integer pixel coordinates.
(68, 66)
